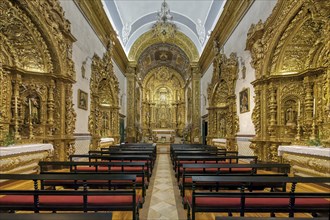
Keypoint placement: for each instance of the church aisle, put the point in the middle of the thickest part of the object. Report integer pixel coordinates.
(163, 204)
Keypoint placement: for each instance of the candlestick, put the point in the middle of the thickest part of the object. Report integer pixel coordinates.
(15, 105)
(314, 107)
(30, 107)
(299, 108)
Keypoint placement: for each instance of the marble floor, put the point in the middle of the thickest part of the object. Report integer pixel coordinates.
(163, 200)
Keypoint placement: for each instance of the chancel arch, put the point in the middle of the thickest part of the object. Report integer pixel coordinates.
(163, 70)
(37, 75)
(103, 121)
(290, 54)
(223, 119)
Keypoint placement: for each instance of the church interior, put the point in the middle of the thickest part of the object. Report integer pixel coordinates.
(245, 80)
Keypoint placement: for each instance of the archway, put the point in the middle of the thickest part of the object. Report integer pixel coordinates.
(37, 75)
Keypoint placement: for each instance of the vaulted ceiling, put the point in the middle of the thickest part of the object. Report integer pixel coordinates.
(132, 18)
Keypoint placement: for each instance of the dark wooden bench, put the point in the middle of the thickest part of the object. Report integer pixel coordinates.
(115, 158)
(131, 168)
(70, 200)
(56, 216)
(243, 201)
(189, 170)
(199, 152)
(180, 160)
(125, 152)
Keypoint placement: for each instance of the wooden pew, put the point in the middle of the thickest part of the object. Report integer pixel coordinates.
(70, 200)
(131, 168)
(190, 170)
(180, 160)
(125, 152)
(115, 158)
(56, 216)
(243, 201)
(200, 152)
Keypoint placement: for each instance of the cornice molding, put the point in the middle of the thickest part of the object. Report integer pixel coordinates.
(232, 14)
(97, 18)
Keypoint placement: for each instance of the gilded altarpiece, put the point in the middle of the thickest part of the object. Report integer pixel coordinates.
(290, 54)
(223, 119)
(103, 120)
(163, 105)
(36, 75)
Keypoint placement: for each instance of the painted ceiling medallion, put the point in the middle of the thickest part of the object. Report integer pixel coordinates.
(164, 28)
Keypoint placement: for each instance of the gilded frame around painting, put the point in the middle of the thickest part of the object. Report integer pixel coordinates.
(244, 100)
(82, 99)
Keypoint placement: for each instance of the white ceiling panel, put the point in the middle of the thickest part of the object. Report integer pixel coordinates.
(132, 18)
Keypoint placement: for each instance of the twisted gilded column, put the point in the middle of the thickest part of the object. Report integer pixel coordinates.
(130, 131)
(196, 113)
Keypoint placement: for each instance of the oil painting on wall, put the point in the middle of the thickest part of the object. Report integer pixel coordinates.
(244, 100)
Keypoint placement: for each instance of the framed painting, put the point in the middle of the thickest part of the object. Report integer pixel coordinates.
(82, 99)
(244, 100)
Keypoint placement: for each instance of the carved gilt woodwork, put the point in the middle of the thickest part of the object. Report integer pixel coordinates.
(223, 119)
(163, 105)
(36, 74)
(290, 54)
(157, 84)
(103, 120)
(148, 39)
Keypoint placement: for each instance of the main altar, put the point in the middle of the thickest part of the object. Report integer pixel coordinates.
(163, 135)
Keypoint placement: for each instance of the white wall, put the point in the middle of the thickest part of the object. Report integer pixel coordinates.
(84, 48)
(122, 88)
(236, 43)
(205, 81)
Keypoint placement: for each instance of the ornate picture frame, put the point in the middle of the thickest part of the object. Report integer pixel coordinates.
(82, 99)
(244, 100)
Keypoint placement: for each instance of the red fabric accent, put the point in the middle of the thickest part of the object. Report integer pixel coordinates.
(235, 170)
(58, 182)
(85, 168)
(16, 200)
(212, 162)
(62, 200)
(266, 202)
(211, 170)
(311, 202)
(215, 201)
(110, 200)
(188, 180)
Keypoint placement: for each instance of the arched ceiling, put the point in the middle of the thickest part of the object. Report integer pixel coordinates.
(195, 18)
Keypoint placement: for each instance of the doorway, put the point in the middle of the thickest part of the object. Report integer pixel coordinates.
(204, 132)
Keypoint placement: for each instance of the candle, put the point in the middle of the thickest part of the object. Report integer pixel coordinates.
(314, 107)
(30, 107)
(15, 105)
(298, 107)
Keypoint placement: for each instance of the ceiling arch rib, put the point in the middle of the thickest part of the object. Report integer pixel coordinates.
(147, 39)
(146, 28)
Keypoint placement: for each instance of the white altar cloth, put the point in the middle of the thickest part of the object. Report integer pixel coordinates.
(105, 140)
(219, 140)
(310, 150)
(26, 148)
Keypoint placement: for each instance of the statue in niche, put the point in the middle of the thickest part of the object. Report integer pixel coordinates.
(290, 116)
(32, 110)
(222, 127)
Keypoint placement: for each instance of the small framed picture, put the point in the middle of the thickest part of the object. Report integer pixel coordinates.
(244, 100)
(82, 99)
